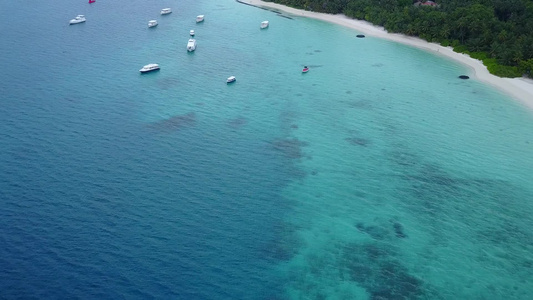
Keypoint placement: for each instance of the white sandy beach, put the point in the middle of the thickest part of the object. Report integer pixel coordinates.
(519, 88)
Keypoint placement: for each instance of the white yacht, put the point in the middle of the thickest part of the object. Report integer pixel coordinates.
(149, 68)
(191, 45)
(77, 19)
(231, 79)
(152, 23)
(191, 32)
(264, 24)
(166, 11)
(199, 18)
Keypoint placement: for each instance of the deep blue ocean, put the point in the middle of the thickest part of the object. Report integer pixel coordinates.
(377, 175)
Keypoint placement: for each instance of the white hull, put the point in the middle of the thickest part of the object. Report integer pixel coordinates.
(77, 20)
(149, 68)
(191, 45)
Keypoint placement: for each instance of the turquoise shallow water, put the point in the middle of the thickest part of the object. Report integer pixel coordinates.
(377, 175)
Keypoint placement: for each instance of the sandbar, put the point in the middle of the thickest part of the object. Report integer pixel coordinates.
(520, 89)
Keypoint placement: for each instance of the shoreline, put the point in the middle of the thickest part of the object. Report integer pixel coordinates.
(520, 89)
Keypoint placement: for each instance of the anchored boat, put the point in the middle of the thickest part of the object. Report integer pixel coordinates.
(191, 45)
(149, 68)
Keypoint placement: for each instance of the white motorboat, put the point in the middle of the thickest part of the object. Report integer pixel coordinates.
(264, 24)
(191, 32)
(166, 11)
(231, 79)
(77, 19)
(149, 68)
(152, 23)
(199, 18)
(191, 45)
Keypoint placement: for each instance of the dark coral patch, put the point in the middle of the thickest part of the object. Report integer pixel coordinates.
(168, 83)
(237, 122)
(285, 244)
(175, 123)
(363, 104)
(291, 148)
(375, 267)
(395, 283)
(358, 141)
(405, 159)
(376, 232)
(398, 230)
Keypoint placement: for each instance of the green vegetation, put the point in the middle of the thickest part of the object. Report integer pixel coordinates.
(498, 32)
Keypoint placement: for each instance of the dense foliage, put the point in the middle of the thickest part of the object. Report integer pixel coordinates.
(499, 32)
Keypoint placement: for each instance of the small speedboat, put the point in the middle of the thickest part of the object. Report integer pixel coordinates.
(166, 11)
(149, 68)
(152, 23)
(264, 24)
(199, 18)
(77, 19)
(231, 79)
(305, 69)
(191, 45)
(191, 33)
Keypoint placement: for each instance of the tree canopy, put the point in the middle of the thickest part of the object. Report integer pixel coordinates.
(499, 32)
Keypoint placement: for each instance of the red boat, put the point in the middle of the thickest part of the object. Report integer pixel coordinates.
(92, 1)
(305, 70)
